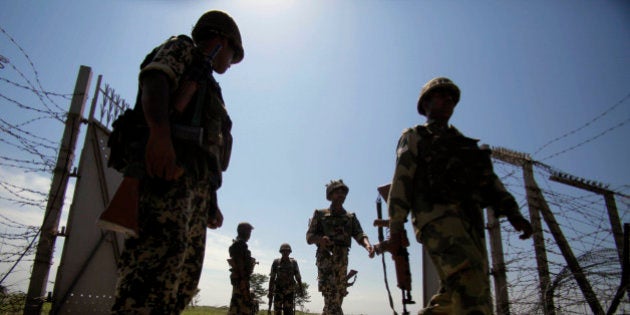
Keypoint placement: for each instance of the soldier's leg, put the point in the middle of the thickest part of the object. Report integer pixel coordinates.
(289, 303)
(279, 301)
(325, 279)
(239, 304)
(148, 277)
(195, 245)
(460, 259)
(329, 301)
(337, 281)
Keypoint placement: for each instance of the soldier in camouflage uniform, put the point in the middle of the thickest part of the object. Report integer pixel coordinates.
(332, 231)
(284, 282)
(160, 269)
(445, 180)
(242, 266)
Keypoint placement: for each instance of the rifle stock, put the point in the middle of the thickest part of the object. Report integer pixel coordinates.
(121, 215)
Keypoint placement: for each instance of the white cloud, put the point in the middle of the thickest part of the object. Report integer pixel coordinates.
(29, 216)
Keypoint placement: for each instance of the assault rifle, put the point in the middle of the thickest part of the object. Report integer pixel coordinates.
(270, 303)
(398, 249)
(121, 214)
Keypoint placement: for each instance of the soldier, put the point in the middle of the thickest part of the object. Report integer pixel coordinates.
(284, 282)
(445, 180)
(160, 268)
(332, 231)
(242, 265)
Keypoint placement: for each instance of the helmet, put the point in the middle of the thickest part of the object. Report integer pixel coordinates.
(285, 246)
(220, 23)
(434, 84)
(334, 185)
(243, 227)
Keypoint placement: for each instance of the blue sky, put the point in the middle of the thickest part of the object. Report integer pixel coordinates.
(326, 88)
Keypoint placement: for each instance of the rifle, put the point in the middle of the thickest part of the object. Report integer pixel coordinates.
(399, 255)
(352, 273)
(270, 303)
(121, 214)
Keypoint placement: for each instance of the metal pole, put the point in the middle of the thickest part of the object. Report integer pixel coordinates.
(498, 264)
(43, 256)
(615, 222)
(609, 199)
(563, 244)
(539, 240)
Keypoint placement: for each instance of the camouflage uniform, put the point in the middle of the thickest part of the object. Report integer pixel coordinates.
(332, 261)
(242, 268)
(445, 180)
(283, 281)
(159, 271)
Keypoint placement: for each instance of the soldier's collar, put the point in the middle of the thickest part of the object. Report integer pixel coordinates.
(341, 210)
(438, 126)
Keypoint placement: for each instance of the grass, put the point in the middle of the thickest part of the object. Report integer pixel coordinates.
(197, 310)
(210, 310)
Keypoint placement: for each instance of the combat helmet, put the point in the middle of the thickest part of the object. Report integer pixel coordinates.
(220, 23)
(435, 84)
(285, 246)
(334, 185)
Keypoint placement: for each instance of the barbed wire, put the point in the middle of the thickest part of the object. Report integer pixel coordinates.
(584, 221)
(606, 112)
(25, 149)
(33, 68)
(621, 124)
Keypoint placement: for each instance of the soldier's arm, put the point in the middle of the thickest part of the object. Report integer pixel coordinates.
(360, 236)
(401, 191)
(158, 80)
(505, 205)
(313, 235)
(272, 278)
(298, 277)
(160, 154)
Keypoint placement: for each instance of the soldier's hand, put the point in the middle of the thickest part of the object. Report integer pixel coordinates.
(522, 225)
(160, 156)
(370, 250)
(324, 241)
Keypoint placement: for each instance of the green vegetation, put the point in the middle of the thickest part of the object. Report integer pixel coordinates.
(209, 310)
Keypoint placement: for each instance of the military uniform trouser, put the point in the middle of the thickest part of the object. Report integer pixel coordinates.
(159, 271)
(284, 300)
(332, 267)
(239, 303)
(458, 252)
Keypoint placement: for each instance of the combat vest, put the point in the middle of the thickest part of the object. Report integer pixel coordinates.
(451, 167)
(285, 272)
(338, 227)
